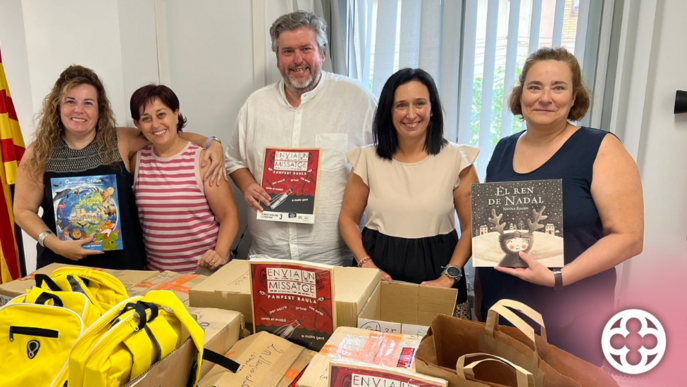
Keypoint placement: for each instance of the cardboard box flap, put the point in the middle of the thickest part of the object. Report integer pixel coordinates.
(233, 278)
(437, 298)
(264, 360)
(178, 283)
(222, 330)
(297, 368)
(355, 285)
(400, 302)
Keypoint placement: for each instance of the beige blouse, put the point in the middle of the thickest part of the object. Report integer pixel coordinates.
(412, 200)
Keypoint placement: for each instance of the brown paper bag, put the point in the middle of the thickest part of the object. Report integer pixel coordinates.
(450, 338)
(586, 374)
(467, 377)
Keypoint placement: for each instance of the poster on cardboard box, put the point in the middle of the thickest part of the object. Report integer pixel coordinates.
(517, 216)
(293, 300)
(289, 176)
(364, 375)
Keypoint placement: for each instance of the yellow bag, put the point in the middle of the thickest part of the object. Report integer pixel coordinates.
(103, 289)
(132, 336)
(37, 332)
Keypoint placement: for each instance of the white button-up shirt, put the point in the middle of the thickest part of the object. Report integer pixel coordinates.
(335, 116)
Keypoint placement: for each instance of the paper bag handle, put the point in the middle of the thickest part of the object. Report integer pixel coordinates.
(524, 378)
(501, 309)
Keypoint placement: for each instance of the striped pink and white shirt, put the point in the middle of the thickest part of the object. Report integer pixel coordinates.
(178, 224)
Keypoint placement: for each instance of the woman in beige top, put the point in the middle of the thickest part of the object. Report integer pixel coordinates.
(412, 182)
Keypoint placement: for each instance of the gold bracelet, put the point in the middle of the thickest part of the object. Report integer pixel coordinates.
(362, 261)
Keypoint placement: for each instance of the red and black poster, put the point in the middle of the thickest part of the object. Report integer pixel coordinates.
(289, 176)
(365, 375)
(294, 300)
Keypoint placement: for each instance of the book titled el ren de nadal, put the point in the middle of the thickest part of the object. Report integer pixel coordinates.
(294, 300)
(518, 216)
(289, 176)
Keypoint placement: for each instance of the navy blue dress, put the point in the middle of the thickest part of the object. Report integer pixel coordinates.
(576, 315)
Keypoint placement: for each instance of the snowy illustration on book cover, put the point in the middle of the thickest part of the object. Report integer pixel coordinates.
(289, 176)
(510, 217)
(87, 206)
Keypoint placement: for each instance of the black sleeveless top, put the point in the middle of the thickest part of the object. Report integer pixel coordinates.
(67, 162)
(573, 163)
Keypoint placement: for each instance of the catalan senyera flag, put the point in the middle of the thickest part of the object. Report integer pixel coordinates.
(11, 150)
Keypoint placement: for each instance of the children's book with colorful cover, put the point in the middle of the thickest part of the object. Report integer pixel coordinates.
(88, 206)
(518, 216)
(357, 374)
(289, 176)
(294, 300)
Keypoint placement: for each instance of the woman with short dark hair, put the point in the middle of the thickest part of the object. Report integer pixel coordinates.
(186, 223)
(412, 182)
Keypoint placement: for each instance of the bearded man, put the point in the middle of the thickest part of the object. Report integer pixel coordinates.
(307, 108)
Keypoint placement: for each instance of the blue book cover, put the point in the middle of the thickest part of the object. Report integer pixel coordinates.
(88, 206)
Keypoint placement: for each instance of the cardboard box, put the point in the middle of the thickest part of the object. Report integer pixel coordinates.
(18, 287)
(178, 283)
(406, 303)
(383, 349)
(266, 360)
(222, 331)
(229, 288)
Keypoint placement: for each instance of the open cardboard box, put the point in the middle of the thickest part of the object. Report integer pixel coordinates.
(223, 328)
(229, 288)
(265, 360)
(401, 307)
(18, 287)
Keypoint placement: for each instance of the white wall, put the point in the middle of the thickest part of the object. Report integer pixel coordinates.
(208, 53)
(662, 158)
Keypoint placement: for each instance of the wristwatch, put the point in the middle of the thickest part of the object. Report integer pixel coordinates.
(558, 278)
(452, 272)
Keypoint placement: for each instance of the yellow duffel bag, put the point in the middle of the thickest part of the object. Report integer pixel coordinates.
(132, 336)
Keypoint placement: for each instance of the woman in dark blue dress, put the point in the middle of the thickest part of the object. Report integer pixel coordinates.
(603, 209)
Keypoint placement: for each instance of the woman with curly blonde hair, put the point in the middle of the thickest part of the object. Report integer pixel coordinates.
(77, 171)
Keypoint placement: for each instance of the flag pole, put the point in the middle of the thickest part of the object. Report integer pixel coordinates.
(20, 241)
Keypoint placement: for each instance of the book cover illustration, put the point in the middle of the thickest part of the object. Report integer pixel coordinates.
(510, 217)
(289, 176)
(293, 300)
(352, 374)
(88, 206)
